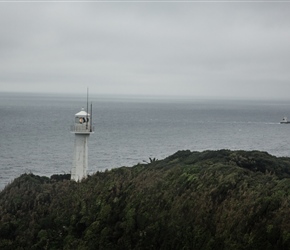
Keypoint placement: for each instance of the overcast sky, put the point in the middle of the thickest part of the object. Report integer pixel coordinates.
(223, 49)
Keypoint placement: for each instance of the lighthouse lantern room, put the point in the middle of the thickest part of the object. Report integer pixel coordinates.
(82, 129)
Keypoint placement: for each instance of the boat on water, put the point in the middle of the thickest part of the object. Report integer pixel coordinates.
(284, 120)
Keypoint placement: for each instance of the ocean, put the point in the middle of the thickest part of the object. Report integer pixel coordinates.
(35, 130)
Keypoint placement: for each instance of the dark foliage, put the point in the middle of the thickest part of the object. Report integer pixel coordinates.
(191, 200)
(60, 177)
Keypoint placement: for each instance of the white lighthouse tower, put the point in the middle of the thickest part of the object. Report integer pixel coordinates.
(82, 129)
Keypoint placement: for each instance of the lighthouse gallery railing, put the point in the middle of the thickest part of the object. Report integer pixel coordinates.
(82, 128)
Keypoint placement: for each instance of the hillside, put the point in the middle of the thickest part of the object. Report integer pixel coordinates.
(190, 200)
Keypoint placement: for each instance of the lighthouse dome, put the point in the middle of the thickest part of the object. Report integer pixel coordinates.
(82, 113)
(82, 123)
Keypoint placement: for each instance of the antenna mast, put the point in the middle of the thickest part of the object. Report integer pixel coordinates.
(91, 121)
(87, 108)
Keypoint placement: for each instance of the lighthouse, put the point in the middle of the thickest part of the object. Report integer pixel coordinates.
(82, 129)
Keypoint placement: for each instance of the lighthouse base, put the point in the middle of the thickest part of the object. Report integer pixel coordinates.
(80, 159)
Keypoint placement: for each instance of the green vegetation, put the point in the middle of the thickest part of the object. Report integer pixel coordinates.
(191, 200)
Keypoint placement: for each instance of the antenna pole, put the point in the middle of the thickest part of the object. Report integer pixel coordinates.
(87, 107)
(91, 121)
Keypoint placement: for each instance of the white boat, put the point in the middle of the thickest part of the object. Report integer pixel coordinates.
(284, 121)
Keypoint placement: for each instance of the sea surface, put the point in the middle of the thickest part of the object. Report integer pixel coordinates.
(35, 130)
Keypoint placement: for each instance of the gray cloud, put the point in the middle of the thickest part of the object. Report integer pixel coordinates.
(199, 49)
